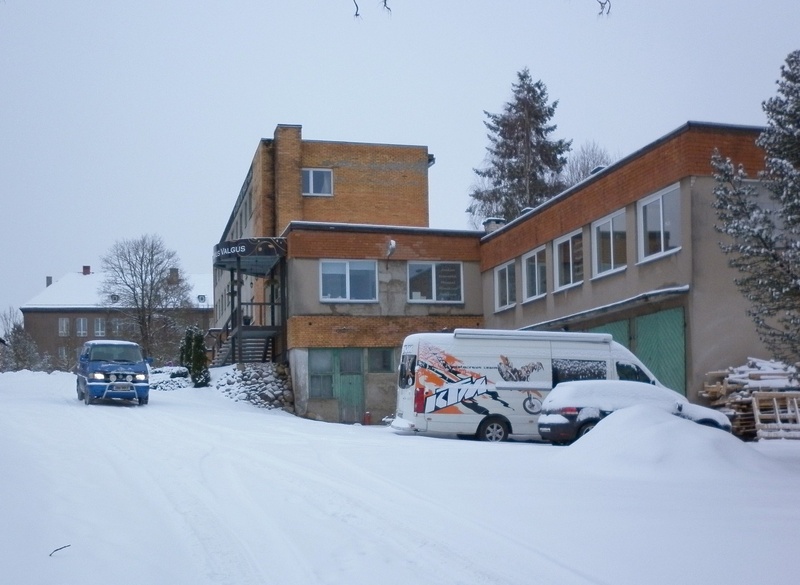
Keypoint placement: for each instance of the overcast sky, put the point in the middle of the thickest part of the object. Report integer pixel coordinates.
(120, 118)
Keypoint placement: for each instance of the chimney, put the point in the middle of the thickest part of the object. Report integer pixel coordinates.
(491, 224)
(87, 270)
(173, 276)
(48, 280)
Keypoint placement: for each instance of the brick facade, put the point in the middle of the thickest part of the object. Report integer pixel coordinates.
(355, 331)
(685, 152)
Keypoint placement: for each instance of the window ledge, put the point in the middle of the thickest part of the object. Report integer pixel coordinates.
(659, 256)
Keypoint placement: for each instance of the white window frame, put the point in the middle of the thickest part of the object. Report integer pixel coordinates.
(672, 190)
(310, 173)
(615, 266)
(574, 280)
(527, 294)
(347, 264)
(434, 280)
(63, 326)
(504, 287)
(99, 327)
(81, 327)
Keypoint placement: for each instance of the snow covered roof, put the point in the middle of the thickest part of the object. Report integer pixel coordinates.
(76, 290)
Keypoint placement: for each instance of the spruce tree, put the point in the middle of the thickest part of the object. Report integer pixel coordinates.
(523, 163)
(193, 357)
(763, 234)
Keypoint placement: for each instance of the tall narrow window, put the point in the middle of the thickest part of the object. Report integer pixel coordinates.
(505, 286)
(609, 243)
(659, 223)
(534, 265)
(318, 182)
(438, 282)
(320, 373)
(63, 327)
(568, 252)
(99, 327)
(81, 326)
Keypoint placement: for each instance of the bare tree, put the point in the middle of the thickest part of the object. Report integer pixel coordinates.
(144, 283)
(582, 162)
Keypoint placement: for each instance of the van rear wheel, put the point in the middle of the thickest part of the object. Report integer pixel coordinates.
(494, 430)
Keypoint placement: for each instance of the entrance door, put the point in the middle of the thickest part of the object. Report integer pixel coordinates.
(349, 385)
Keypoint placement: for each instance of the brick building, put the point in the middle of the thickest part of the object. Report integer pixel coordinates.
(327, 263)
(632, 251)
(327, 254)
(70, 311)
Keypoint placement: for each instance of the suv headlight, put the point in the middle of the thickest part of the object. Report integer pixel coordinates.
(97, 376)
(141, 377)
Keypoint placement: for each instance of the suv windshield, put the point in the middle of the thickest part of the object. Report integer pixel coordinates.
(115, 353)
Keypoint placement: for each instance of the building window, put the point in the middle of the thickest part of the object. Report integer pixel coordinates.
(348, 280)
(534, 266)
(99, 327)
(505, 286)
(609, 243)
(568, 260)
(659, 223)
(318, 182)
(81, 326)
(320, 373)
(380, 360)
(63, 327)
(438, 282)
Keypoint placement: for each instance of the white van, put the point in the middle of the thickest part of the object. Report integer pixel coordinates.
(491, 383)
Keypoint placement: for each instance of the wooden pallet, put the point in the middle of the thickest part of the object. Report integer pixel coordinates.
(776, 414)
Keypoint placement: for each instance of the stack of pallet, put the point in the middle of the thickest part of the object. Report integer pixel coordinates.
(732, 391)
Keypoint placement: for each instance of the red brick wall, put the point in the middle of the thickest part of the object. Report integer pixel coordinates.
(354, 331)
(356, 244)
(687, 153)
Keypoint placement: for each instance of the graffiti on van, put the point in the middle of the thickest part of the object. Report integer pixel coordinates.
(450, 384)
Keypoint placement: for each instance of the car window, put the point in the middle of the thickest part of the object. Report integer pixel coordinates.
(628, 371)
(567, 370)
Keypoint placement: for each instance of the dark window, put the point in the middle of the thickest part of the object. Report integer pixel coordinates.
(320, 373)
(626, 371)
(381, 359)
(567, 370)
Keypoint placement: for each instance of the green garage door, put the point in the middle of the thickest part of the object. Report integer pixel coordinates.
(660, 344)
(658, 340)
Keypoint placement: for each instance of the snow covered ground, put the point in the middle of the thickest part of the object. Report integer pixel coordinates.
(196, 488)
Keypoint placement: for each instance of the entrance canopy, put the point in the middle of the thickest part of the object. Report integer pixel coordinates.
(252, 256)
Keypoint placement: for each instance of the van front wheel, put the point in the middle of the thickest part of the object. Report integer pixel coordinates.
(493, 429)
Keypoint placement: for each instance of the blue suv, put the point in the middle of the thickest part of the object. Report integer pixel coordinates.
(112, 369)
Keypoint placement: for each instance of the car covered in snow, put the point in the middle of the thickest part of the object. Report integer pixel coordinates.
(572, 409)
(112, 369)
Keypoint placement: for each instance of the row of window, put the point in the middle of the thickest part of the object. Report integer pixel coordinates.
(658, 233)
(357, 281)
(82, 326)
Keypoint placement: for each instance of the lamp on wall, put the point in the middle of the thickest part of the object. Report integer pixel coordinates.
(391, 246)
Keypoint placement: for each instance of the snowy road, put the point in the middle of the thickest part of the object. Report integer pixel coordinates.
(195, 488)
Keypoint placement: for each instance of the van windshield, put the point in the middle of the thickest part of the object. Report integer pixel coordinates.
(626, 371)
(408, 364)
(116, 353)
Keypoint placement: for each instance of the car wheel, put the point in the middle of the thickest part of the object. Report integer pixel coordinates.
(493, 429)
(78, 390)
(585, 428)
(143, 401)
(87, 397)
